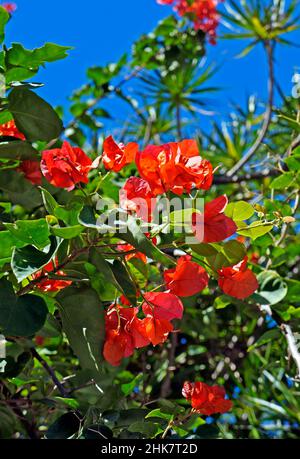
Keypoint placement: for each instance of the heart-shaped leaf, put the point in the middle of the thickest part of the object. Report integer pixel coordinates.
(28, 260)
(20, 316)
(33, 115)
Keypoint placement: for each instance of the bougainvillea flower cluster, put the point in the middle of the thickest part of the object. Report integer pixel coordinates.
(66, 166)
(206, 400)
(125, 332)
(50, 285)
(176, 167)
(203, 14)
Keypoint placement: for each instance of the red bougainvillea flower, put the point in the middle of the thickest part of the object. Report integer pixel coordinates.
(156, 330)
(213, 225)
(116, 156)
(10, 129)
(50, 285)
(162, 305)
(238, 281)
(66, 166)
(31, 171)
(187, 279)
(129, 248)
(206, 399)
(9, 7)
(124, 333)
(175, 167)
(136, 196)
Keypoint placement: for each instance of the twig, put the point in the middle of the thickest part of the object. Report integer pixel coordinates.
(116, 89)
(268, 114)
(64, 392)
(293, 347)
(166, 386)
(39, 279)
(178, 122)
(223, 179)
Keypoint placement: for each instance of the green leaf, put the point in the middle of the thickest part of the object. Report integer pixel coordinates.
(134, 236)
(64, 427)
(49, 201)
(28, 260)
(7, 244)
(67, 233)
(239, 211)
(18, 56)
(255, 230)
(106, 290)
(19, 190)
(222, 302)
(123, 279)
(273, 289)
(283, 181)
(34, 116)
(127, 388)
(293, 123)
(88, 219)
(32, 232)
(147, 429)
(205, 250)
(234, 251)
(293, 163)
(4, 17)
(115, 274)
(18, 150)
(70, 402)
(158, 413)
(83, 322)
(18, 74)
(229, 254)
(20, 316)
(270, 335)
(15, 366)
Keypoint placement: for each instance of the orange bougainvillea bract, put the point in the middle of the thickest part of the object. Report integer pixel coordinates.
(162, 305)
(116, 156)
(206, 400)
(213, 225)
(238, 281)
(187, 279)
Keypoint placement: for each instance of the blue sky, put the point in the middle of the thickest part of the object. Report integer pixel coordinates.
(101, 31)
